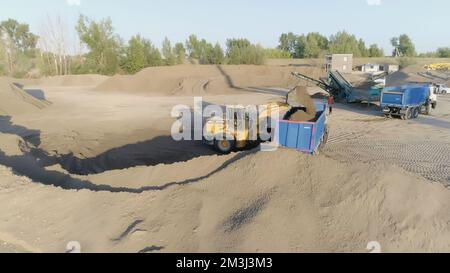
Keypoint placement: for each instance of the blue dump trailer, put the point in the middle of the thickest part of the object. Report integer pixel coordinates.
(408, 101)
(307, 137)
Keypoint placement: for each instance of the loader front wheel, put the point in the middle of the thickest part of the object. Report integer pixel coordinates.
(224, 146)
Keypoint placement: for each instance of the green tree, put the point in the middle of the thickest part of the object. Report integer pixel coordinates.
(242, 51)
(3, 60)
(104, 46)
(205, 52)
(23, 40)
(443, 52)
(168, 52)
(288, 42)
(313, 45)
(152, 54)
(403, 46)
(193, 46)
(218, 54)
(135, 59)
(406, 46)
(363, 51)
(343, 42)
(180, 53)
(395, 45)
(18, 48)
(375, 51)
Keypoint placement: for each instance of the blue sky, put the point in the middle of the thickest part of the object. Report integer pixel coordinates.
(261, 21)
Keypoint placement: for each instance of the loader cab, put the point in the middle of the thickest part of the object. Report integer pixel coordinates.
(237, 115)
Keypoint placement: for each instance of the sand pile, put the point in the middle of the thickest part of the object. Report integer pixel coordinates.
(73, 80)
(267, 202)
(202, 79)
(417, 73)
(13, 100)
(174, 80)
(308, 113)
(267, 76)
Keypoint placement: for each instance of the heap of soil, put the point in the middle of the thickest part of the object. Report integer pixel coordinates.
(309, 112)
(73, 80)
(13, 100)
(187, 80)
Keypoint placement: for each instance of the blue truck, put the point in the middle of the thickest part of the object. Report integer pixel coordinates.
(408, 101)
(307, 137)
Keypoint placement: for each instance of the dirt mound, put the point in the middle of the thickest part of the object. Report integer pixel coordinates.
(14, 100)
(417, 74)
(269, 202)
(202, 79)
(308, 110)
(73, 80)
(174, 80)
(316, 204)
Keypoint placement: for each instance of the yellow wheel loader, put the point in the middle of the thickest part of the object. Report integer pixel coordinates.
(237, 128)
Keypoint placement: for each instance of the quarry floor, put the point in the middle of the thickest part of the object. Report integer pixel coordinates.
(101, 168)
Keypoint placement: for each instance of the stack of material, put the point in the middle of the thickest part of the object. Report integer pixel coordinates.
(309, 111)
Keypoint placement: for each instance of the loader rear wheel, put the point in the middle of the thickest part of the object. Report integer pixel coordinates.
(224, 146)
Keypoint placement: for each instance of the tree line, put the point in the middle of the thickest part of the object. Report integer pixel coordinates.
(98, 49)
(105, 52)
(315, 45)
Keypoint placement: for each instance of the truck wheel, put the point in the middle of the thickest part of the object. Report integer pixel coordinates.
(407, 115)
(324, 142)
(415, 112)
(428, 109)
(410, 113)
(224, 146)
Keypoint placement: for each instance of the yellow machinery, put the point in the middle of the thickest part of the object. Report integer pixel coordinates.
(236, 129)
(438, 67)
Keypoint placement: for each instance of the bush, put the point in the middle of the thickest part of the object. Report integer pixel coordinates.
(274, 53)
(2, 70)
(404, 62)
(443, 52)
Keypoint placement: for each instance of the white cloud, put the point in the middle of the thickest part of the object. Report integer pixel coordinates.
(374, 2)
(73, 2)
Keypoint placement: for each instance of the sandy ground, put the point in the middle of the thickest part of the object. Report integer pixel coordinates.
(88, 162)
